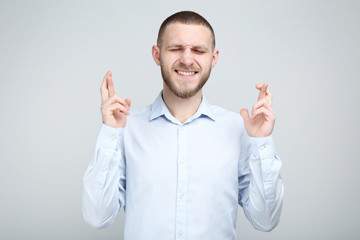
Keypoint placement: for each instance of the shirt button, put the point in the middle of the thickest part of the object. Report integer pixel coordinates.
(182, 160)
(267, 180)
(180, 233)
(113, 137)
(104, 169)
(181, 196)
(262, 147)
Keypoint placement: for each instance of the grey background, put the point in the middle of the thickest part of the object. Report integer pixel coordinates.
(53, 55)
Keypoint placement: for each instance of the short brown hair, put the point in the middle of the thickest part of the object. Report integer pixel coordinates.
(185, 17)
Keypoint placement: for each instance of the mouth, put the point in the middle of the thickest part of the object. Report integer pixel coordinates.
(186, 73)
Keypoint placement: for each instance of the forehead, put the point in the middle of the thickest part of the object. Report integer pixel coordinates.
(187, 34)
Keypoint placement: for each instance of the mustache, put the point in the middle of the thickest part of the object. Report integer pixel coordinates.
(186, 68)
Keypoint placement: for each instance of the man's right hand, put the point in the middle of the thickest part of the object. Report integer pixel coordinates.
(114, 109)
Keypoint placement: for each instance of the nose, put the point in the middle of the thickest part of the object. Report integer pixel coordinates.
(187, 57)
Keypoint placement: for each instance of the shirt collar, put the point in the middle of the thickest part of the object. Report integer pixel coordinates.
(158, 108)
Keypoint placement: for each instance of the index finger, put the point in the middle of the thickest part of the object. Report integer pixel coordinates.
(110, 85)
(104, 91)
(268, 97)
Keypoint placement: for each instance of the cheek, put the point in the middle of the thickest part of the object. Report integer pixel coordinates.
(204, 63)
(167, 61)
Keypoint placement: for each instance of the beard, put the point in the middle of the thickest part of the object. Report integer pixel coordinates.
(184, 93)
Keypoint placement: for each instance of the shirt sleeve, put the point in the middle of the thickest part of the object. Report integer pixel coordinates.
(260, 185)
(104, 180)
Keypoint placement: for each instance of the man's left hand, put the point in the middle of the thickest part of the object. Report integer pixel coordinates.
(262, 120)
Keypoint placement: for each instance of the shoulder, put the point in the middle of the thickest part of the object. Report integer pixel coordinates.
(228, 119)
(225, 115)
(139, 115)
(227, 122)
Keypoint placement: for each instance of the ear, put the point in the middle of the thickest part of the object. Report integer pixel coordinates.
(156, 54)
(214, 58)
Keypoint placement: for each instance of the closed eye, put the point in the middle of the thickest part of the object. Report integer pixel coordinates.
(199, 51)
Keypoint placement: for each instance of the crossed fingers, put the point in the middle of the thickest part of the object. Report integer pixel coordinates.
(263, 105)
(110, 101)
(264, 92)
(107, 87)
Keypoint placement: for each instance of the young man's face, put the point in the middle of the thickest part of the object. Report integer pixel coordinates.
(186, 58)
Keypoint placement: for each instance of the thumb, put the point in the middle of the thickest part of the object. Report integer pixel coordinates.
(245, 114)
(128, 101)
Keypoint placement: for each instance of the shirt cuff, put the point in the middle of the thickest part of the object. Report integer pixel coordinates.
(263, 147)
(109, 137)
(264, 150)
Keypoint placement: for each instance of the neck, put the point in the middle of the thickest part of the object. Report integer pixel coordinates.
(182, 109)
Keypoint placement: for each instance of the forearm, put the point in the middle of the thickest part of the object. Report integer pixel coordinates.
(104, 180)
(262, 202)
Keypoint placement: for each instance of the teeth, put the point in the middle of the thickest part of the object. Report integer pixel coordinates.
(186, 73)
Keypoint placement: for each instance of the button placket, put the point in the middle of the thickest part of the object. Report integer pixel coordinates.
(181, 184)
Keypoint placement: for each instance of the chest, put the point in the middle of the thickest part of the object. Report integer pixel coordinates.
(209, 153)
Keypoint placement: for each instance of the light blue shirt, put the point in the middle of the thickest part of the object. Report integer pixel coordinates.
(182, 181)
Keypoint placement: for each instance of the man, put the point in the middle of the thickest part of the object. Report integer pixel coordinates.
(181, 166)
